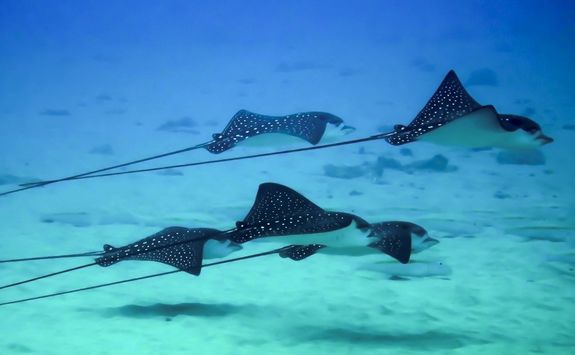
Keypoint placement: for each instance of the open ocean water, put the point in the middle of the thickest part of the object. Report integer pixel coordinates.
(89, 84)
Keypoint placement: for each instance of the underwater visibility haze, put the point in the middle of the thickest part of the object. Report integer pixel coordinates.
(297, 177)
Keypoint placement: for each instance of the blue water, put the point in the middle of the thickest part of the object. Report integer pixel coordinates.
(87, 84)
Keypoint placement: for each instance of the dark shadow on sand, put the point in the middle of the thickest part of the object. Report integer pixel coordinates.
(172, 310)
(431, 340)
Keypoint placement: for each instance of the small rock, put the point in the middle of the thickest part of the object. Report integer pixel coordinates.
(437, 163)
(55, 112)
(406, 152)
(483, 149)
(388, 163)
(501, 195)
(526, 157)
(343, 172)
(104, 149)
(170, 172)
(247, 81)
(184, 124)
(383, 163)
(103, 98)
(288, 67)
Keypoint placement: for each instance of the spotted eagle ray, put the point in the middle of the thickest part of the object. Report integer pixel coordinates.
(294, 219)
(450, 117)
(275, 251)
(278, 211)
(246, 129)
(182, 248)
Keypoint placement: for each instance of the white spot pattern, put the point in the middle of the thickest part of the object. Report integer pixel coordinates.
(279, 210)
(309, 126)
(174, 246)
(449, 102)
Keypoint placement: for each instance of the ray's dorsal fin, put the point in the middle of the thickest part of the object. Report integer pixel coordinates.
(280, 210)
(309, 126)
(274, 201)
(176, 246)
(449, 102)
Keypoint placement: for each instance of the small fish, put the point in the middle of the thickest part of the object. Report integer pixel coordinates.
(398, 271)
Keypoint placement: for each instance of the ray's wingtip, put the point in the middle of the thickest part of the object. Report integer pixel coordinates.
(404, 259)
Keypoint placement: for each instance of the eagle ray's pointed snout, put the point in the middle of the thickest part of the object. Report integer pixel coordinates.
(545, 139)
(431, 241)
(348, 129)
